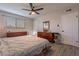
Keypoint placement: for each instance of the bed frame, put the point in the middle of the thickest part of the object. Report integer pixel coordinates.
(15, 34)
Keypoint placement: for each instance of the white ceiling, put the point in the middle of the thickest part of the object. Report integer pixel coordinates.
(16, 8)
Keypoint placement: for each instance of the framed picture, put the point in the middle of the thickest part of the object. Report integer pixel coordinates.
(46, 26)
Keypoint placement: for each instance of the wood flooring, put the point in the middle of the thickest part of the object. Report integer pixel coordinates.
(63, 50)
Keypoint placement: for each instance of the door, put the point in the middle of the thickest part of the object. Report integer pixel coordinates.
(75, 30)
(69, 29)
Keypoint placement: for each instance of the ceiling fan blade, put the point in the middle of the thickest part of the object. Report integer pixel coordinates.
(26, 9)
(39, 9)
(31, 5)
(37, 12)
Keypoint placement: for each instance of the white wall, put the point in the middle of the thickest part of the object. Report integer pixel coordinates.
(54, 18)
(4, 29)
(54, 21)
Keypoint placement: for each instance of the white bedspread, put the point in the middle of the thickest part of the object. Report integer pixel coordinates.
(22, 45)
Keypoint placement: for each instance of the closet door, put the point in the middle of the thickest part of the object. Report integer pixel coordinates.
(69, 29)
(75, 29)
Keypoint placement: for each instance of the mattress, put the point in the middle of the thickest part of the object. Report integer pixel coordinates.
(22, 46)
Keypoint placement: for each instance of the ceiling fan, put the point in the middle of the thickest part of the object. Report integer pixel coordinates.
(33, 10)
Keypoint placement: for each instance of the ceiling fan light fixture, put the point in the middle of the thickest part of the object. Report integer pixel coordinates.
(32, 13)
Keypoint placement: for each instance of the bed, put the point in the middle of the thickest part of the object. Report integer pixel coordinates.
(27, 45)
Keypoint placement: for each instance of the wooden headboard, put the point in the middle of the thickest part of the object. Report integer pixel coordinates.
(14, 34)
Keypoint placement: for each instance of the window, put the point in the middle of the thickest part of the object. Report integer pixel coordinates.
(14, 22)
(10, 22)
(20, 23)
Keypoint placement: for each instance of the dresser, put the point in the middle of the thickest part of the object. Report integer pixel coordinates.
(47, 35)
